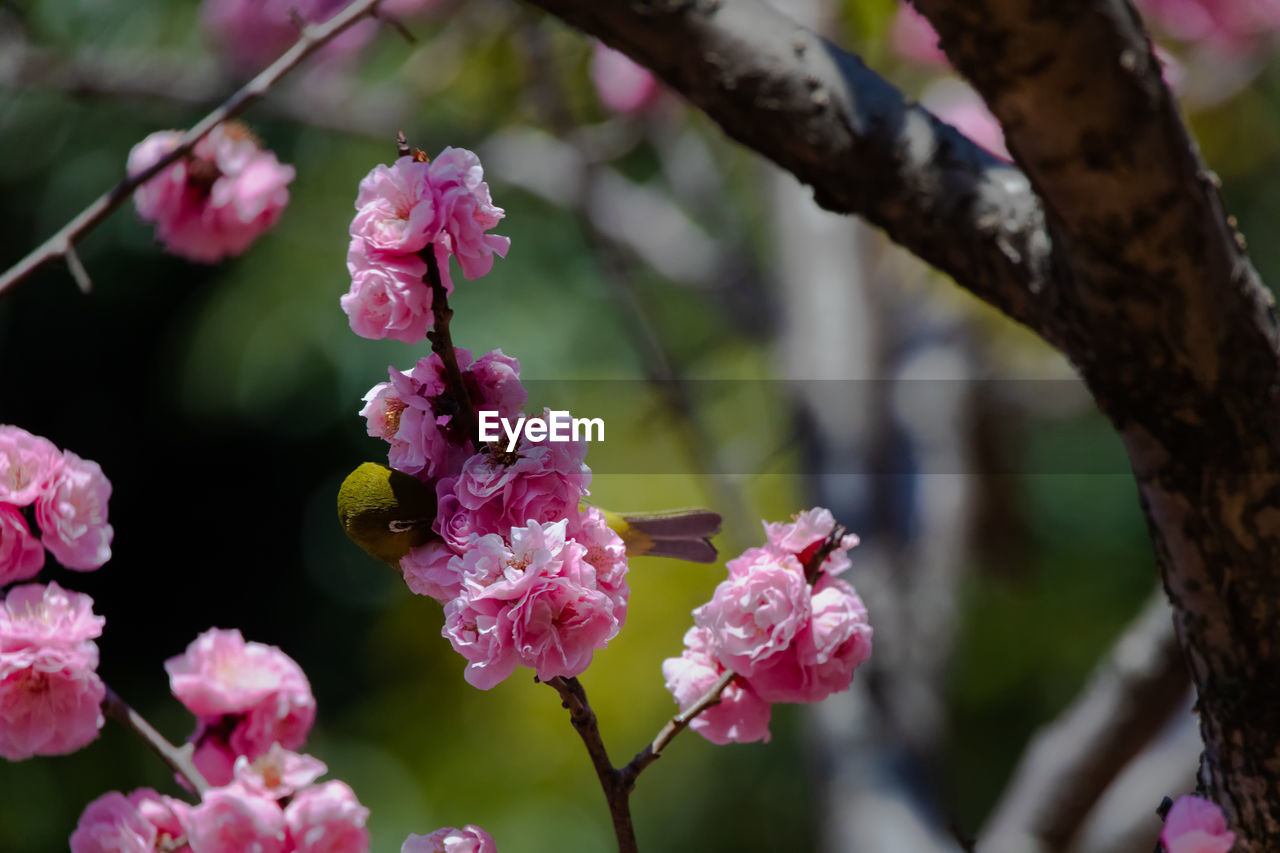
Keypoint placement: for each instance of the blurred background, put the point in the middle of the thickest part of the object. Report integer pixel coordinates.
(747, 351)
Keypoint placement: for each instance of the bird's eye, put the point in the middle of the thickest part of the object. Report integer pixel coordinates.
(401, 526)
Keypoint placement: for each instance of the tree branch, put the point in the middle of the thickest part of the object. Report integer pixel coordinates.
(574, 698)
(1070, 762)
(820, 113)
(1129, 265)
(178, 758)
(61, 244)
(653, 750)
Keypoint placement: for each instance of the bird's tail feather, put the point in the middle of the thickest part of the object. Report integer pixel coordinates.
(682, 534)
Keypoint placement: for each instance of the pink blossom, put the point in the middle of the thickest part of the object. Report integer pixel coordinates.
(249, 34)
(758, 611)
(72, 514)
(607, 553)
(27, 464)
(49, 702)
(425, 445)
(327, 819)
(427, 570)
(468, 211)
(740, 717)
(215, 201)
(113, 824)
(805, 534)
(534, 601)
(21, 554)
(493, 381)
(559, 624)
(398, 207)
(278, 772)
(448, 839)
(232, 820)
(50, 693)
(622, 85)
(825, 653)
(246, 696)
(960, 106)
(382, 411)
(388, 298)
(481, 632)
(544, 482)
(1195, 825)
(213, 756)
(413, 413)
(164, 813)
(35, 616)
(914, 38)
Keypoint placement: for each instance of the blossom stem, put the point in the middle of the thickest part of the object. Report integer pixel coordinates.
(617, 790)
(61, 244)
(179, 758)
(618, 783)
(442, 345)
(813, 566)
(677, 724)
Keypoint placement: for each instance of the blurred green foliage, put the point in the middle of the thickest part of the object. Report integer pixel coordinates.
(222, 403)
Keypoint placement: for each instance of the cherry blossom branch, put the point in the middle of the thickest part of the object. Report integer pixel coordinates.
(61, 244)
(442, 345)
(653, 751)
(574, 698)
(178, 758)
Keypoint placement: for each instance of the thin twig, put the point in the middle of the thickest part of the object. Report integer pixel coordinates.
(179, 758)
(399, 27)
(617, 794)
(653, 751)
(311, 40)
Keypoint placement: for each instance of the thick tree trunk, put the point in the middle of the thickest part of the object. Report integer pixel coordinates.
(1110, 240)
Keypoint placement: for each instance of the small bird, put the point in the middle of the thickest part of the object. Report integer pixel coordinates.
(387, 513)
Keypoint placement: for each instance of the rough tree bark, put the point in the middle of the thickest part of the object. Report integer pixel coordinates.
(1110, 240)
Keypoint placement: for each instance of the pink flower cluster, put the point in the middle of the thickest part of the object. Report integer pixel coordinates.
(448, 839)
(215, 201)
(527, 576)
(402, 209)
(68, 496)
(414, 413)
(787, 640)
(1195, 825)
(272, 805)
(534, 598)
(50, 693)
(246, 697)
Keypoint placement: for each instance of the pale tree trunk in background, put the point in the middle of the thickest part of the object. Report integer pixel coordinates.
(844, 347)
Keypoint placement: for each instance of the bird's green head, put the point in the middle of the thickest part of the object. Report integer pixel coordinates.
(386, 512)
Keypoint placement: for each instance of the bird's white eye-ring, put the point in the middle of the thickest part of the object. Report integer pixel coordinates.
(399, 526)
